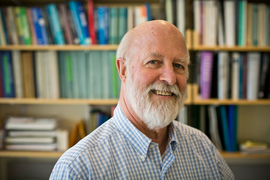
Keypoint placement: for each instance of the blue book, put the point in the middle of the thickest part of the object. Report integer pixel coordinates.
(232, 119)
(224, 121)
(4, 25)
(103, 24)
(148, 9)
(56, 28)
(68, 74)
(80, 21)
(39, 25)
(7, 74)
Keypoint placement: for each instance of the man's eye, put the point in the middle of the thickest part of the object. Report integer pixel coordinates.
(153, 64)
(179, 66)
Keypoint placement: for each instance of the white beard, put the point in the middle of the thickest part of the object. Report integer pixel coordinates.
(157, 113)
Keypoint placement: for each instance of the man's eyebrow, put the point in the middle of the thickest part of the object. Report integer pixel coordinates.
(156, 55)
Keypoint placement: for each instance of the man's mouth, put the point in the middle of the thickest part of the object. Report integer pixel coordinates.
(163, 93)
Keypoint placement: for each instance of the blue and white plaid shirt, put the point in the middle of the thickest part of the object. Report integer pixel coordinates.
(118, 150)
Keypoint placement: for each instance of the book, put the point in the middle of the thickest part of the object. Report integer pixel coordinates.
(183, 116)
(249, 24)
(255, 24)
(30, 140)
(229, 15)
(25, 26)
(220, 23)
(214, 134)
(103, 24)
(31, 26)
(253, 68)
(223, 75)
(28, 123)
(11, 22)
(75, 37)
(17, 70)
(62, 9)
(80, 21)
(242, 30)
(169, 12)
(113, 27)
(2, 31)
(31, 147)
(7, 74)
(123, 23)
(181, 16)
(224, 120)
(232, 125)
(205, 76)
(82, 74)
(235, 75)
(91, 23)
(28, 74)
(264, 69)
(19, 133)
(5, 25)
(55, 26)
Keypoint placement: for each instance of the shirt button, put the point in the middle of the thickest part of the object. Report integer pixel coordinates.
(142, 157)
(152, 146)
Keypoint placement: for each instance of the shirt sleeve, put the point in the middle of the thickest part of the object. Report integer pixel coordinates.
(223, 168)
(62, 171)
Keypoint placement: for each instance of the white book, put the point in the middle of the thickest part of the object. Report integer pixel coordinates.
(11, 22)
(253, 74)
(182, 116)
(213, 126)
(62, 140)
(235, 75)
(17, 70)
(53, 75)
(181, 16)
(169, 12)
(31, 140)
(46, 76)
(28, 123)
(31, 147)
(212, 29)
(223, 75)
(32, 133)
(229, 15)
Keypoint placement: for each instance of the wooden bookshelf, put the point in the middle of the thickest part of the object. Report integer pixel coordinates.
(239, 155)
(198, 101)
(188, 101)
(196, 46)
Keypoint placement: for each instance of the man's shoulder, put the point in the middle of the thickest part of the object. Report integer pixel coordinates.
(184, 129)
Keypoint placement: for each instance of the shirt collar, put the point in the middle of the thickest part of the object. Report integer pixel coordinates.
(136, 138)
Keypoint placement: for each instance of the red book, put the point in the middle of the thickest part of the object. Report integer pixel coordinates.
(91, 26)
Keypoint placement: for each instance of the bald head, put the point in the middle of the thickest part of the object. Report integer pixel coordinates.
(149, 33)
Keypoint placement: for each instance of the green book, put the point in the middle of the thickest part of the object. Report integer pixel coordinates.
(25, 26)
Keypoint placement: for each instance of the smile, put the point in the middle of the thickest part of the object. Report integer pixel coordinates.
(162, 93)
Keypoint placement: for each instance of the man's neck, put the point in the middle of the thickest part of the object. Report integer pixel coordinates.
(159, 136)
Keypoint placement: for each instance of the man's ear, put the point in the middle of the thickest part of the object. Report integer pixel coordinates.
(121, 67)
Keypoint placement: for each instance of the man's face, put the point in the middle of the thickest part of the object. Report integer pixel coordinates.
(156, 80)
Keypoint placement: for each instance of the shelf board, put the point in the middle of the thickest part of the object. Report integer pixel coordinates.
(58, 101)
(234, 48)
(60, 47)
(55, 154)
(199, 101)
(239, 155)
(31, 154)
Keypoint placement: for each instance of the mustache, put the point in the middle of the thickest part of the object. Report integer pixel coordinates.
(164, 87)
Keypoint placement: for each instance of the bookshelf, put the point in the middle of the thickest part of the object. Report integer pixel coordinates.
(192, 89)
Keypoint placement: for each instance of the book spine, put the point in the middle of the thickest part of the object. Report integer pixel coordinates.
(17, 69)
(91, 24)
(31, 25)
(4, 25)
(11, 20)
(113, 25)
(37, 27)
(253, 66)
(55, 24)
(25, 26)
(206, 71)
(65, 24)
(122, 23)
(255, 24)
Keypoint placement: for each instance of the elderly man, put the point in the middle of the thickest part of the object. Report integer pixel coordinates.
(142, 140)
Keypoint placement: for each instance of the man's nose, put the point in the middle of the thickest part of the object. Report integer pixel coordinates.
(168, 75)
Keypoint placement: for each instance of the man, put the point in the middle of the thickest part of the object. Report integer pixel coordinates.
(141, 140)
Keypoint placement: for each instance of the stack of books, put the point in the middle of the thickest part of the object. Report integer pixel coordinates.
(34, 134)
(251, 147)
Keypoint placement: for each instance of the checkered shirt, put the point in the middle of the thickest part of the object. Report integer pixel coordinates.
(118, 150)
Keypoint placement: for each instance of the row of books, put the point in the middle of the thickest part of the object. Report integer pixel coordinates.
(219, 123)
(231, 23)
(235, 75)
(69, 23)
(36, 134)
(59, 74)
